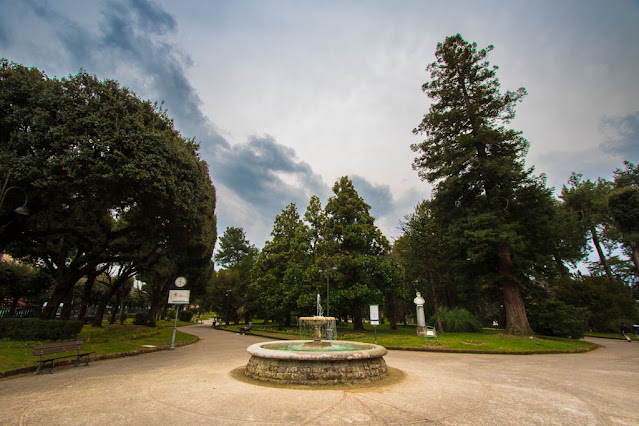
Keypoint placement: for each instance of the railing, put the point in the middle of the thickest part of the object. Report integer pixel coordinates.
(20, 312)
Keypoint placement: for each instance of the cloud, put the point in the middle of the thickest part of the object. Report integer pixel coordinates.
(379, 197)
(267, 175)
(622, 136)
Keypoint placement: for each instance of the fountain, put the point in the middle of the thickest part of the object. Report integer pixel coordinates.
(317, 362)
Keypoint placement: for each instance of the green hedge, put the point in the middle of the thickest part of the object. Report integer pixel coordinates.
(36, 329)
(552, 317)
(185, 316)
(457, 320)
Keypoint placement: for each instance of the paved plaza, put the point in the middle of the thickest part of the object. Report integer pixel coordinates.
(193, 385)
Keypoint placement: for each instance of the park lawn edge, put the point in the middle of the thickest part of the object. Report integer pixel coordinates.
(114, 355)
(592, 347)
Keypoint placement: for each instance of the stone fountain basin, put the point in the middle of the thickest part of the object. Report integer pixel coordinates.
(323, 353)
(364, 363)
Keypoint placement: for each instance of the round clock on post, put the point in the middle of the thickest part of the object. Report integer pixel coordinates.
(180, 282)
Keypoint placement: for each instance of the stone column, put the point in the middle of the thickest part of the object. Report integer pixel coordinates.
(421, 320)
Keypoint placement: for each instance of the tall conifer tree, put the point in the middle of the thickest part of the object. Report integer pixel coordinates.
(477, 166)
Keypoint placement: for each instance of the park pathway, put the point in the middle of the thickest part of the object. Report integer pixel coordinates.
(193, 385)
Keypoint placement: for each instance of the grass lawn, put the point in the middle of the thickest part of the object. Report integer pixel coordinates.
(110, 339)
(489, 340)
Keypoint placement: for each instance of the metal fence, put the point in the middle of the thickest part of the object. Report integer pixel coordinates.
(21, 312)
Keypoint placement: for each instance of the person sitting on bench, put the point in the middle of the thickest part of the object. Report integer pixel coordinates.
(246, 329)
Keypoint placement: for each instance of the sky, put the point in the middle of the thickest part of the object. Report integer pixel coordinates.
(287, 96)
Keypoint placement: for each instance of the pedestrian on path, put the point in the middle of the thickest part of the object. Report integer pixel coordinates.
(625, 330)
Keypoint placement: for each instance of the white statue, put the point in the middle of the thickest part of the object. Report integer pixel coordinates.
(421, 320)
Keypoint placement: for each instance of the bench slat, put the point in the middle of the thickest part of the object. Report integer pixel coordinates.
(58, 344)
(56, 350)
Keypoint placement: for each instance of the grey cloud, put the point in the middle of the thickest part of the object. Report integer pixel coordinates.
(625, 136)
(267, 174)
(142, 33)
(379, 197)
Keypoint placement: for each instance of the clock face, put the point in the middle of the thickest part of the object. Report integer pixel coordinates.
(180, 281)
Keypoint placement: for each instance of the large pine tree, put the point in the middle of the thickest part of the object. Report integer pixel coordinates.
(477, 166)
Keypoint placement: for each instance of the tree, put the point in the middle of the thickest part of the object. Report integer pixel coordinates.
(109, 179)
(360, 252)
(623, 203)
(279, 270)
(115, 280)
(423, 254)
(19, 280)
(234, 248)
(237, 254)
(477, 167)
(589, 202)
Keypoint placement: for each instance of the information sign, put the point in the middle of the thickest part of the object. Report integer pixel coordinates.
(374, 312)
(179, 297)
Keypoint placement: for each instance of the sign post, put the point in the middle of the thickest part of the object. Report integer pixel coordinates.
(178, 297)
(375, 318)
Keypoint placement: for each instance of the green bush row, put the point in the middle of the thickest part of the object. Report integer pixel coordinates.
(185, 316)
(36, 329)
(457, 320)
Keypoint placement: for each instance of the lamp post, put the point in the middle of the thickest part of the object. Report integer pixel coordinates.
(327, 269)
(23, 209)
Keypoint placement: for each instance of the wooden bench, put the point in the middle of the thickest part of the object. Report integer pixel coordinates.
(60, 348)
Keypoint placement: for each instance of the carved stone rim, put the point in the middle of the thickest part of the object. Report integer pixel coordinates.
(367, 351)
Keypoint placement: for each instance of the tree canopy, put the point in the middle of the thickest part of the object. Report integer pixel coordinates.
(109, 179)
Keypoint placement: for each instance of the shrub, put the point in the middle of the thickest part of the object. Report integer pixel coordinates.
(37, 329)
(457, 320)
(141, 318)
(552, 317)
(170, 313)
(185, 316)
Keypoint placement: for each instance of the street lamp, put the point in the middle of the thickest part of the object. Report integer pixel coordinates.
(23, 209)
(328, 270)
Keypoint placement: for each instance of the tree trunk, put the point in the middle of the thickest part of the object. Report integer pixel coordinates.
(65, 314)
(116, 311)
(635, 256)
(86, 295)
(358, 322)
(440, 328)
(602, 257)
(113, 289)
(122, 307)
(14, 305)
(65, 279)
(516, 318)
(391, 311)
(99, 313)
